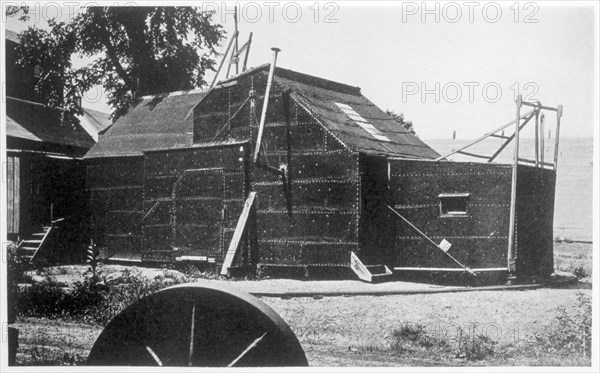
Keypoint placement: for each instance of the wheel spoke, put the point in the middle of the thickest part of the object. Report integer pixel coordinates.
(154, 356)
(250, 347)
(192, 335)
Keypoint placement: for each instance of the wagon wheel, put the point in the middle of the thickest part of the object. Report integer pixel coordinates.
(198, 325)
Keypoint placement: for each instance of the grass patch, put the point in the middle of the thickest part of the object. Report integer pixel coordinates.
(575, 258)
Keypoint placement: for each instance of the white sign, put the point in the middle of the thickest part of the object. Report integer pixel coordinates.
(445, 245)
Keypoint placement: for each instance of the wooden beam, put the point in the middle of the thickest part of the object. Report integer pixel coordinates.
(542, 145)
(432, 269)
(513, 193)
(473, 155)
(478, 140)
(223, 60)
(249, 43)
(538, 163)
(537, 140)
(263, 115)
(503, 146)
(557, 136)
(240, 230)
(538, 105)
(465, 268)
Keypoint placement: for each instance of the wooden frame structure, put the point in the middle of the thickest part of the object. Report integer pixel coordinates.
(519, 123)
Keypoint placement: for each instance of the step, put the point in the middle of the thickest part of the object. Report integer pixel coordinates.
(42, 234)
(369, 273)
(380, 277)
(376, 269)
(35, 247)
(29, 249)
(32, 241)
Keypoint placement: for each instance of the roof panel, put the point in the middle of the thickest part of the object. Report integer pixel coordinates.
(33, 121)
(155, 122)
(323, 104)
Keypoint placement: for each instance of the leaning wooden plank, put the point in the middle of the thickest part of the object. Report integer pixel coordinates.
(359, 268)
(240, 229)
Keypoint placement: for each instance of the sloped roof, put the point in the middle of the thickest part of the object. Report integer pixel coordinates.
(11, 35)
(319, 96)
(155, 122)
(98, 119)
(33, 121)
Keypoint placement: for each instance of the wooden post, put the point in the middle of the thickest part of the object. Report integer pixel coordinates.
(235, 50)
(249, 43)
(263, 115)
(542, 145)
(537, 140)
(557, 135)
(513, 193)
(223, 59)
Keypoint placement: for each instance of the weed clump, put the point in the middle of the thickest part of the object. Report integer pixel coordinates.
(88, 301)
(572, 332)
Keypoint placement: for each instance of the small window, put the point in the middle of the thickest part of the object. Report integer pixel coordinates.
(454, 204)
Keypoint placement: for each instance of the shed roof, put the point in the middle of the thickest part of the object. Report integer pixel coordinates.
(36, 122)
(166, 121)
(11, 35)
(319, 96)
(155, 122)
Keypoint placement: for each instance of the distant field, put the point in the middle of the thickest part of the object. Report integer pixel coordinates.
(573, 215)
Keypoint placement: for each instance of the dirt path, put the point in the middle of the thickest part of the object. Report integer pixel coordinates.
(354, 331)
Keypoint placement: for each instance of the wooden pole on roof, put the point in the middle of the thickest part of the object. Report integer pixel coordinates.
(263, 115)
(249, 43)
(234, 56)
(223, 60)
(513, 194)
(235, 50)
(557, 135)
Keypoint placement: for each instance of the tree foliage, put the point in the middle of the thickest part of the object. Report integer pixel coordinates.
(408, 125)
(134, 51)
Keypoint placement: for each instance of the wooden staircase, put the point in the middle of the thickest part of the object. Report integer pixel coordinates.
(30, 247)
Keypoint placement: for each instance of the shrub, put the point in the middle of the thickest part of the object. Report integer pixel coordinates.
(410, 337)
(573, 331)
(88, 302)
(475, 347)
(580, 272)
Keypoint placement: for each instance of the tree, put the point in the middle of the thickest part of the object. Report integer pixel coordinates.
(408, 125)
(134, 51)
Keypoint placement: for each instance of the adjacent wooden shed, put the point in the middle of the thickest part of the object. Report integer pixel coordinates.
(195, 176)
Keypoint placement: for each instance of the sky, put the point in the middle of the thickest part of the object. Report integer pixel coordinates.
(448, 66)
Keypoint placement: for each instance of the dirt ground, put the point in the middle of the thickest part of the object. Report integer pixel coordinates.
(356, 331)
(351, 331)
